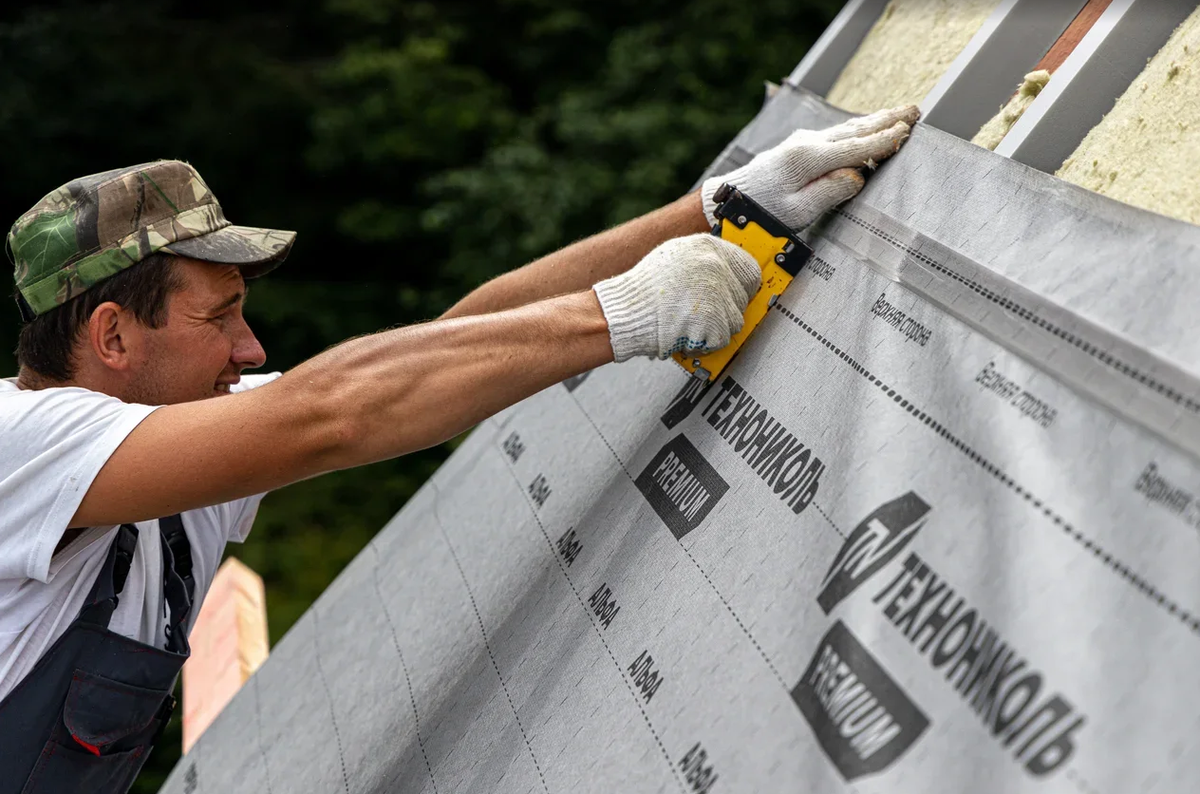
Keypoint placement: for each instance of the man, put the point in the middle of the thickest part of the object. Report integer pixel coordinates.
(122, 481)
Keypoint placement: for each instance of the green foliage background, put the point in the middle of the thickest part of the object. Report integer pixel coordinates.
(418, 147)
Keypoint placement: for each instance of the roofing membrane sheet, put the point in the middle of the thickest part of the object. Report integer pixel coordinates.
(935, 529)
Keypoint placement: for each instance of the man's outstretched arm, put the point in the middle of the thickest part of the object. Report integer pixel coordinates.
(797, 181)
(365, 400)
(398, 391)
(582, 264)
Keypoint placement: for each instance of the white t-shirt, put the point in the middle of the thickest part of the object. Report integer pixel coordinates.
(53, 443)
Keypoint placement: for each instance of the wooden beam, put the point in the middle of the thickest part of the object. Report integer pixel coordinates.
(229, 642)
(1071, 37)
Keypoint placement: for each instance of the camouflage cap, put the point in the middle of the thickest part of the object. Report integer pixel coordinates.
(96, 226)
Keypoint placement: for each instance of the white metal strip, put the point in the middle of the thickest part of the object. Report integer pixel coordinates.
(985, 74)
(1105, 63)
(830, 54)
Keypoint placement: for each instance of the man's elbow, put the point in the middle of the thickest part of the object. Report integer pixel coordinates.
(323, 426)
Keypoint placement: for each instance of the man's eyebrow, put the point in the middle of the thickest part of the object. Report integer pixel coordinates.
(232, 300)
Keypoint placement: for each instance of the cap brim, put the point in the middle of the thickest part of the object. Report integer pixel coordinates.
(256, 251)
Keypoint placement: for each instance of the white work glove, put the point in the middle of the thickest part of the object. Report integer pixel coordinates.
(687, 294)
(813, 171)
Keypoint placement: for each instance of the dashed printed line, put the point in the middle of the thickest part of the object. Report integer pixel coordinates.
(486, 643)
(337, 734)
(1147, 589)
(686, 551)
(592, 619)
(825, 516)
(1108, 359)
(403, 665)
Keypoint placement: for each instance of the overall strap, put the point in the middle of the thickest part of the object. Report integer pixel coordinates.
(176, 539)
(179, 586)
(106, 591)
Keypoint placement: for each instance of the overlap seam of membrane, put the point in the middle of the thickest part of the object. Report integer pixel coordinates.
(1189, 620)
(1091, 360)
(1100, 553)
(592, 621)
(487, 645)
(1165, 398)
(1037, 316)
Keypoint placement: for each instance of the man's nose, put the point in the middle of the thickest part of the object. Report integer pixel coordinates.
(247, 352)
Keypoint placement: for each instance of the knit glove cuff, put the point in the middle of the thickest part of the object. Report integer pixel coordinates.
(687, 294)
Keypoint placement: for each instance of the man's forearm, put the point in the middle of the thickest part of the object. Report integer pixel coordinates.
(580, 265)
(421, 385)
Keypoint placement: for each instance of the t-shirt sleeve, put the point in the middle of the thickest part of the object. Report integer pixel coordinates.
(228, 522)
(249, 382)
(53, 443)
(238, 516)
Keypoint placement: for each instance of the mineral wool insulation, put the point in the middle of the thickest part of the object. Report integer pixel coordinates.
(1144, 152)
(907, 51)
(990, 135)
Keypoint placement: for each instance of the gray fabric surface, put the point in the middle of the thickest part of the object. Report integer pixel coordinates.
(1003, 435)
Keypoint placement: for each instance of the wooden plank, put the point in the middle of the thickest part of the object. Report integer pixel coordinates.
(229, 642)
(1071, 37)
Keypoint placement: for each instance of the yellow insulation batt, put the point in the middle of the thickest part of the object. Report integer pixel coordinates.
(1146, 150)
(907, 51)
(990, 134)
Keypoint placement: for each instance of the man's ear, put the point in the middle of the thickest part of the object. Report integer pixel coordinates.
(110, 332)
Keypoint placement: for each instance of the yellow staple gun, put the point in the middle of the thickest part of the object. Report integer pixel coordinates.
(780, 254)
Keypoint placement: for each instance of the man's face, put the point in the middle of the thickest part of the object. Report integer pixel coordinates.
(204, 345)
